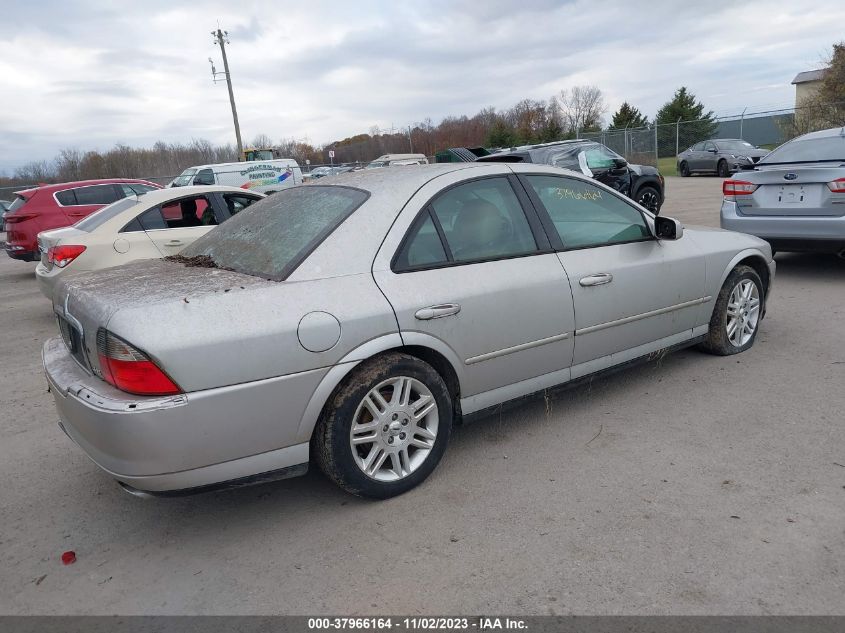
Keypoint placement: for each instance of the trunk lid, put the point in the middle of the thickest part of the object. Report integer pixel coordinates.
(88, 301)
(792, 190)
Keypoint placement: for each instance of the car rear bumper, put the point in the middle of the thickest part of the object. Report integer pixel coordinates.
(811, 232)
(47, 279)
(175, 444)
(16, 251)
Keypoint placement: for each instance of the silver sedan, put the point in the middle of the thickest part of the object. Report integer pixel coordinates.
(352, 324)
(795, 197)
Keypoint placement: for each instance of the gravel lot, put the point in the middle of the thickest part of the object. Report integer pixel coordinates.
(692, 485)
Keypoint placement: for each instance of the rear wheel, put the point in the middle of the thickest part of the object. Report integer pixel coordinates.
(736, 316)
(386, 428)
(684, 169)
(722, 169)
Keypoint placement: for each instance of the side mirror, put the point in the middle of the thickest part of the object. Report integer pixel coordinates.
(713, 151)
(619, 163)
(668, 228)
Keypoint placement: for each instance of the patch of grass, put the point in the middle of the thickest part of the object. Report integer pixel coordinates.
(667, 166)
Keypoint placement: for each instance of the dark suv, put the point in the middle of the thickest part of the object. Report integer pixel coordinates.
(641, 183)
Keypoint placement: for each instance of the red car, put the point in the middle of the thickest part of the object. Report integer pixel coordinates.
(55, 206)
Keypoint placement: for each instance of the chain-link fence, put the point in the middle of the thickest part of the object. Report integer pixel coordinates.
(648, 145)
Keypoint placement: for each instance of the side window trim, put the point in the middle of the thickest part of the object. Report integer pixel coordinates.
(440, 233)
(542, 213)
(547, 218)
(531, 215)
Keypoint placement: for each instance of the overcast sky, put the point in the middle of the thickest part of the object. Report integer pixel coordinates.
(89, 74)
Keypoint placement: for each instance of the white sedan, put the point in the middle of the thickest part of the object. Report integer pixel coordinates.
(149, 226)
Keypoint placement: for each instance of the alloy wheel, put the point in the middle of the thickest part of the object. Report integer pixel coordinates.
(743, 312)
(394, 429)
(650, 200)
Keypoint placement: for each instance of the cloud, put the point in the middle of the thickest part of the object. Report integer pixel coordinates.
(88, 74)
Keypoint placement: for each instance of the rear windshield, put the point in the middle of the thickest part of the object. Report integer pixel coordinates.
(830, 148)
(17, 203)
(183, 179)
(273, 236)
(98, 218)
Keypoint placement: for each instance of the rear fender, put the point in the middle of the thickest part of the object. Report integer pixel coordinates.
(369, 349)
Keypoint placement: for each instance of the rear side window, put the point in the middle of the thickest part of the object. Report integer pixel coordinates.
(273, 236)
(423, 247)
(237, 203)
(66, 198)
(96, 194)
(480, 220)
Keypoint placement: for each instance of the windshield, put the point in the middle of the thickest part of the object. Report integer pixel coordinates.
(597, 156)
(377, 163)
(98, 218)
(183, 179)
(273, 236)
(830, 148)
(734, 145)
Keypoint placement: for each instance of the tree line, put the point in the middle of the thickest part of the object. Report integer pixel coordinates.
(570, 112)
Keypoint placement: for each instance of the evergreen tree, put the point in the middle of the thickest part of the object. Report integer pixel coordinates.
(694, 124)
(501, 134)
(627, 116)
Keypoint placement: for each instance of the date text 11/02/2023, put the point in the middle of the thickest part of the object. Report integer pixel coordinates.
(417, 623)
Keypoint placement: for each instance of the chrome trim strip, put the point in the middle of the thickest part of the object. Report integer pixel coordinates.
(516, 348)
(644, 315)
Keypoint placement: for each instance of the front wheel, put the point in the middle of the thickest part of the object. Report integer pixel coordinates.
(650, 198)
(684, 169)
(386, 428)
(736, 316)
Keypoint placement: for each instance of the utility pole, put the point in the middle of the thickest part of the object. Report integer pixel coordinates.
(222, 38)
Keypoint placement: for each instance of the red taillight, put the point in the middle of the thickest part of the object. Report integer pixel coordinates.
(738, 188)
(130, 370)
(837, 186)
(61, 256)
(18, 216)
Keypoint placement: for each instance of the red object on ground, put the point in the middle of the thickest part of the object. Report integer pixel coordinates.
(68, 558)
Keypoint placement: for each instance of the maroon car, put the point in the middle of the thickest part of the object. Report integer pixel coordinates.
(55, 206)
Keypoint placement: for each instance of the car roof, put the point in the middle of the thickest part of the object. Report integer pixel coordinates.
(399, 181)
(834, 131)
(60, 186)
(169, 193)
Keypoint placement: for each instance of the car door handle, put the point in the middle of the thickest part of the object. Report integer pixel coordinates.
(438, 311)
(174, 243)
(596, 280)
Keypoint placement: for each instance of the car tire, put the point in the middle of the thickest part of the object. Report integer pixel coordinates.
(650, 198)
(350, 438)
(683, 169)
(722, 169)
(740, 304)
